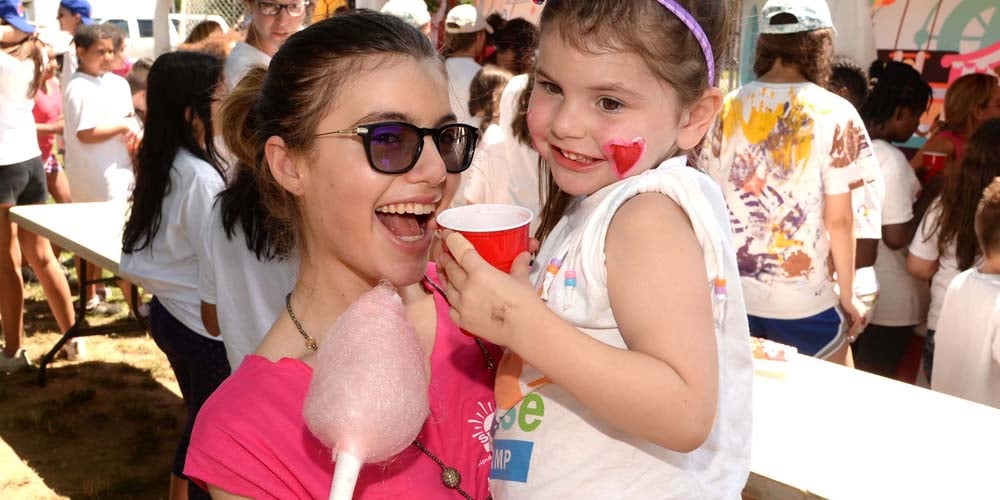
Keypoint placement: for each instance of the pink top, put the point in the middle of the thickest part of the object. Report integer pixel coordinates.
(250, 438)
(48, 109)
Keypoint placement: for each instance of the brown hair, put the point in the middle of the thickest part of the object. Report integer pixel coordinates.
(962, 190)
(644, 28)
(988, 219)
(484, 93)
(202, 30)
(457, 42)
(288, 100)
(809, 51)
(964, 96)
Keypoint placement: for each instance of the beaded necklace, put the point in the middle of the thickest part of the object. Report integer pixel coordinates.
(450, 477)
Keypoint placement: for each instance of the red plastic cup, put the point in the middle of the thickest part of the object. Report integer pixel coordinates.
(934, 161)
(498, 232)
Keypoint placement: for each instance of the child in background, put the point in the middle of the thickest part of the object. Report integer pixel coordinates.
(892, 114)
(945, 242)
(967, 359)
(178, 175)
(49, 124)
(789, 155)
(635, 292)
(484, 101)
(72, 14)
(22, 182)
(136, 79)
(99, 123)
(969, 100)
(849, 81)
(466, 32)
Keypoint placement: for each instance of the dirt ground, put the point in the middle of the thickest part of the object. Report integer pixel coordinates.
(104, 427)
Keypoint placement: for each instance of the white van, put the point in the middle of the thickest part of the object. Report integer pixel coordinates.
(139, 31)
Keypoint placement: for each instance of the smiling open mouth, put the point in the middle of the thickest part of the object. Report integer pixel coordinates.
(579, 158)
(407, 221)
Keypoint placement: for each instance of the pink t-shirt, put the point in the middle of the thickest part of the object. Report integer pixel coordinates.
(48, 109)
(250, 438)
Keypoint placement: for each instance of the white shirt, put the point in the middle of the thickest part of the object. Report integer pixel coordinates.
(504, 170)
(903, 298)
(18, 140)
(102, 171)
(554, 447)
(925, 246)
(777, 151)
(967, 344)
(461, 71)
(243, 57)
(69, 66)
(168, 267)
(248, 293)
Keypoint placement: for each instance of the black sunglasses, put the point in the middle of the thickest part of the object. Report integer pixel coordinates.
(394, 147)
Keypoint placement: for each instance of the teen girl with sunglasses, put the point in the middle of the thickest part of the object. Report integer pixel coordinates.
(352, 140)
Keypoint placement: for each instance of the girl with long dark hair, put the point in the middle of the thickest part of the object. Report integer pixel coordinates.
(178, 175)
(945, 243)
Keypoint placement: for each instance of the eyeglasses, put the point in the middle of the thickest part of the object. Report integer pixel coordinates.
(273, 9)
(394, 147)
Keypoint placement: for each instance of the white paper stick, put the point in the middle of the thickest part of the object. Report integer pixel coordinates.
(345, 476)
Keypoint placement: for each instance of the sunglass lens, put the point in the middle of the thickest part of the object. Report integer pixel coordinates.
(453, 146)
(393, 147)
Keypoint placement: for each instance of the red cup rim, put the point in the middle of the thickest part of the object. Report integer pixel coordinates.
(934, 153)
(526, 213)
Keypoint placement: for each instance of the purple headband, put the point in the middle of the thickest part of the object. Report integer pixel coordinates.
(695, 28)
(699, 34)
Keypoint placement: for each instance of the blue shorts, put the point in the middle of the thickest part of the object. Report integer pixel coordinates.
(819, 335)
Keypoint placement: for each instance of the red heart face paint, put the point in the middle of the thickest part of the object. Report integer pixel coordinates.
(623, 155)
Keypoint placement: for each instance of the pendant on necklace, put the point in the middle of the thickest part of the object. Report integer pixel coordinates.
(450, 477)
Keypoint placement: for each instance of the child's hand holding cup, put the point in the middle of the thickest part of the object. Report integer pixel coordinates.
(499, 233)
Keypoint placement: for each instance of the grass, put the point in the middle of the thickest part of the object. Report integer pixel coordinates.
(105, 426)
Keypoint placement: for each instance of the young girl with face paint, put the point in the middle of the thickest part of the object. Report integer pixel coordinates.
(627, 372)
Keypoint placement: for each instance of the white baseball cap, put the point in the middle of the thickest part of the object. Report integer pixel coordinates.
(414, 12)
(810, 15)
(466, 19)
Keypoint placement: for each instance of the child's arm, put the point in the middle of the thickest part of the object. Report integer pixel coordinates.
(838, 217)
(102, 133)
(54, 128)
(664, 389)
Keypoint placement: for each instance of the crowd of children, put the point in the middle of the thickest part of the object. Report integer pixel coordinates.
(274, 180)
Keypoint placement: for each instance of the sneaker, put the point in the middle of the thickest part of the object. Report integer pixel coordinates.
(75, 349)
(13, 364)
(99, 307)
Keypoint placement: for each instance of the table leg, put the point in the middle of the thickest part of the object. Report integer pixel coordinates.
(81, 313)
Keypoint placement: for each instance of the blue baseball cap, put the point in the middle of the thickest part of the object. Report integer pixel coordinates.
(10, 12)
(79, 7)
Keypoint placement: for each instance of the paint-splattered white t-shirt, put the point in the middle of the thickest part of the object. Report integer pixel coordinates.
(777, 151)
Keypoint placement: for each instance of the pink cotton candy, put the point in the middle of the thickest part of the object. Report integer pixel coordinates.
(368, 394)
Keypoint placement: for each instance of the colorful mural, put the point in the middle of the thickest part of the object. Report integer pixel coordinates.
(943, 39)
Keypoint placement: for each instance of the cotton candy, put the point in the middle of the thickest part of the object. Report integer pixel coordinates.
(368, 394)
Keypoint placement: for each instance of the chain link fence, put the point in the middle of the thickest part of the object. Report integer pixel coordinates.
(194, 11)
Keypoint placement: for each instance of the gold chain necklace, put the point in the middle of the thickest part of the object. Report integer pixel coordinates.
(450, 477)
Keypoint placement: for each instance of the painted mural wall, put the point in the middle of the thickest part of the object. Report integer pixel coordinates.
(943, 39)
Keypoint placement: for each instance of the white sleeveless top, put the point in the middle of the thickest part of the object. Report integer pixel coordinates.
(547, 445)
